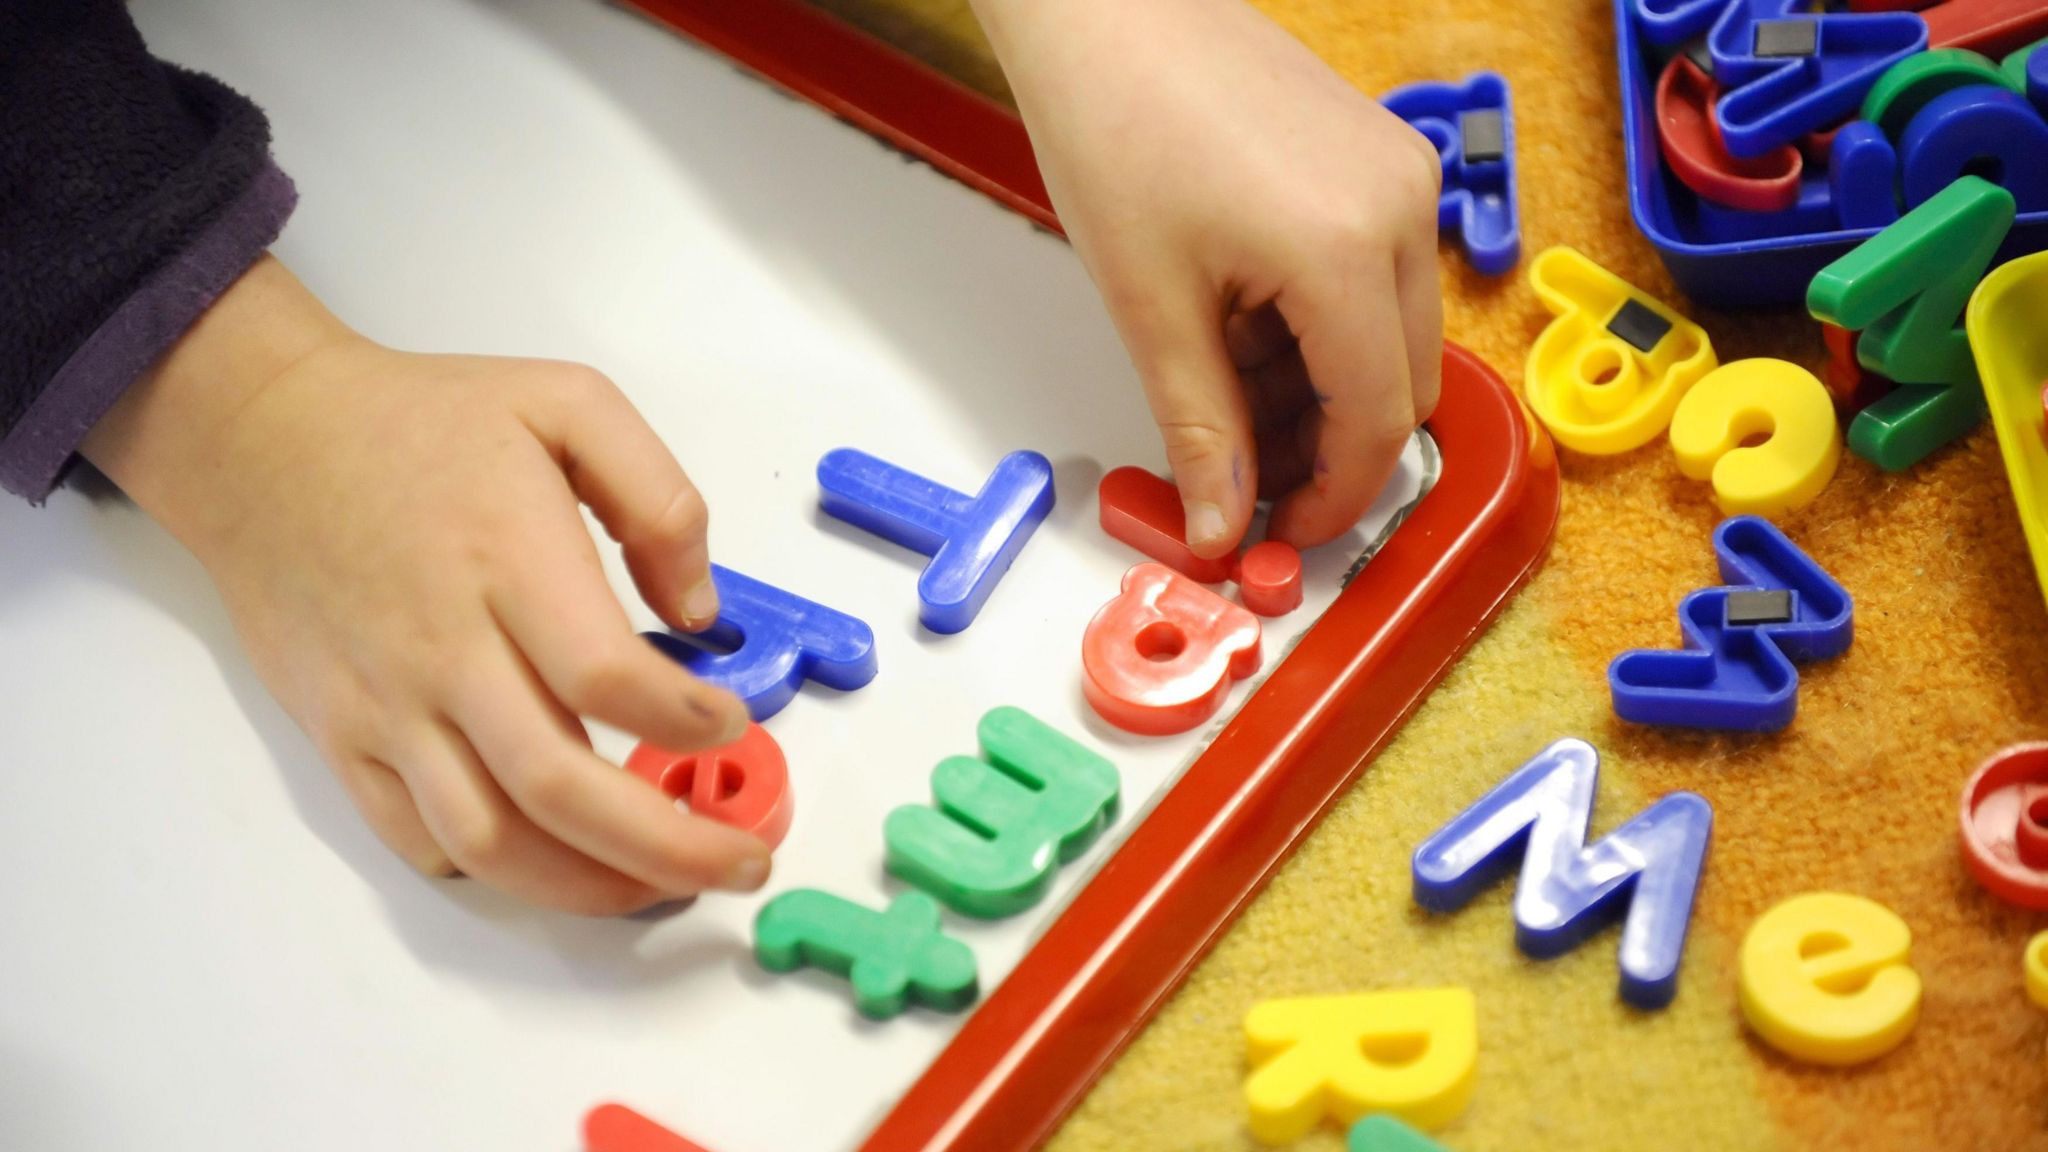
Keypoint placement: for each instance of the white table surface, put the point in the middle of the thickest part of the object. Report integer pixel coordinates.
(202, 947)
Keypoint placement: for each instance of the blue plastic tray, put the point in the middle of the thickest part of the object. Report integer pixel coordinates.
(1765, 272)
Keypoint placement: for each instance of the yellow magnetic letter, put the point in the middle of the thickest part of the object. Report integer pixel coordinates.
(1607, 373)
(1411, 1053)
(1749, 398)
(2036, 962)
(1824, 978)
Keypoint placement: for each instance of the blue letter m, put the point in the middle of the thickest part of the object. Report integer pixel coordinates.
(1649, 866)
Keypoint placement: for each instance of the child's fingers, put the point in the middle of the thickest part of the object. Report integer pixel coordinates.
(560, 613)
(1198, 401)
(633, 485)
(589, 804)
(1419, 285)
(1283, 457)
(1255, 337)
(390, 811)
(491, 840)
(1354, 343)
(1287, 419)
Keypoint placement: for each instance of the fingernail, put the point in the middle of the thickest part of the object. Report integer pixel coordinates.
(736, 722)
(1205, 523)
(731, 718)
(700, 604)
(749, 874)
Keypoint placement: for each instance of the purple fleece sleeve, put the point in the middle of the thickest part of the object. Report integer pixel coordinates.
(132, 194)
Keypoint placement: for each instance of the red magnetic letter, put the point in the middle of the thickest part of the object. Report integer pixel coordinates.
(1160, 657)
(1693, 148)
(617, 1128)
(744, 784)
(1269, 578)
(1145, 512)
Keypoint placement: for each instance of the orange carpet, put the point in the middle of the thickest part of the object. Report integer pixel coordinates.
(1949, 665)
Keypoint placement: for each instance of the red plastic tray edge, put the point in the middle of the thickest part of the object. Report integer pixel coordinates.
(1130, 937)
(875, 87)
(1025, 1057)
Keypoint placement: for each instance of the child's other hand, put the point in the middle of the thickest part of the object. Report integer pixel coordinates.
(1264, 237)
(399, 541)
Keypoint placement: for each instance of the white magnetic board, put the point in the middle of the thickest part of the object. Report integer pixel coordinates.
(202, 947)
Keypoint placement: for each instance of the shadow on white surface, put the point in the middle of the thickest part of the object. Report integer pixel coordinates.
(901, 253)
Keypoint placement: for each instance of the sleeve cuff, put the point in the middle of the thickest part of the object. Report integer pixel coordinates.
(35, 452)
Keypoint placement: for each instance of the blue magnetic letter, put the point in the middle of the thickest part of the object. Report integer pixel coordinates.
(1786, 71)
(1669, 22)
(1540, 812)
(776, 641)
(971, 539)
(1972, 129)
(1472, 125)
(1733, 675)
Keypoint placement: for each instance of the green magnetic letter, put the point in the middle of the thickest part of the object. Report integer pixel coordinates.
(1005, 823)
(2014, 66)
(891, 957)
(1905, 289)
(1381, 1132)
(1906, 87)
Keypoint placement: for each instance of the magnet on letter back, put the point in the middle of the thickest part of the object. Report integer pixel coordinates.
(1472, 125)
(1788, 71)
(1161, 657)
(1737, 669)
(1606, 375)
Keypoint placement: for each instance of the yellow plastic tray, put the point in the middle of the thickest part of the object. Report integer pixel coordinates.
(2008, 327)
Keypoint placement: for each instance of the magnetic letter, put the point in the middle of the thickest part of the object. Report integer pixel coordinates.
(891, 957)
(1775, 399)
(1411, 1053)
(1823, 977)
(972, 540)
(1905, 289)
(1653, 862)
(1003, 824)
(1145, 512)
(1607, 373)
(744, 783)
(1160, 658)
(776, 640)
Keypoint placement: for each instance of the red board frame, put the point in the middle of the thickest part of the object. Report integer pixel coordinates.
(1026, 1056)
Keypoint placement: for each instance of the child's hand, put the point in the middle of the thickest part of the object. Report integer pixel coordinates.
(1264, 237)
(398, 539)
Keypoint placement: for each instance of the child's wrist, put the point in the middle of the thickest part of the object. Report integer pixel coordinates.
(164, 442)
